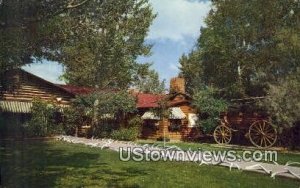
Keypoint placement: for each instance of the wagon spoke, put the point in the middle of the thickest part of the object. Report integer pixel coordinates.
(226, 135)
(270, 135)
(269, 130)
(256, 136)
(217, 133)
(265, 141)
(259, 126)
(256, 130)
(268, 140)
(223, 139)
(264, 126)
(261, 141)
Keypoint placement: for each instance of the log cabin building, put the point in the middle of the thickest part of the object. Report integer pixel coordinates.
(181, 123)
(18, 89)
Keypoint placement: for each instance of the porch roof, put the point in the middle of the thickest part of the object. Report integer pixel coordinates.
(15, 106)
(19, 106)
(150, 115)
(176, 113)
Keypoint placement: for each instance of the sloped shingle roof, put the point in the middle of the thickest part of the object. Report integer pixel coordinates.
(145, 100)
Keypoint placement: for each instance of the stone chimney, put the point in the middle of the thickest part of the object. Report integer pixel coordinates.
(177, 85)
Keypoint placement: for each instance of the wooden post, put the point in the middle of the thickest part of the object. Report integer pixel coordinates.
(76, 131)
(163, 128)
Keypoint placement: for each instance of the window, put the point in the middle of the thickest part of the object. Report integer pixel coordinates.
(152, 124)
(175, 125)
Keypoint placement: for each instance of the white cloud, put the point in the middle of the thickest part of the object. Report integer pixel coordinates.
(178, 18)
(173, 67)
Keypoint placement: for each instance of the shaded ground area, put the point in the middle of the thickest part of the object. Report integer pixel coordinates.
(59, 164)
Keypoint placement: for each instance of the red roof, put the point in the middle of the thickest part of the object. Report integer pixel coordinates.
(77, 90)
(145, 100)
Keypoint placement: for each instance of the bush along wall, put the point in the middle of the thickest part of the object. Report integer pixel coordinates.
(44, 120)
(131, 132)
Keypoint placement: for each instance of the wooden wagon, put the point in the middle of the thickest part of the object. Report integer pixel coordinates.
(255, 126)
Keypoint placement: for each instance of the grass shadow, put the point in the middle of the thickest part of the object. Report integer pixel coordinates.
(49, 164)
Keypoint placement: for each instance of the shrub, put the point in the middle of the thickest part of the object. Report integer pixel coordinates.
(136, 122)
(283, 101)
(126, 134)
(43, 120)
(104, 129)
(209, 104)
(72, 119)
(100, 103)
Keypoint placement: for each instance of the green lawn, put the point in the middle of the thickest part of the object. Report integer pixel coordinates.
(59, 164)
(283, 156)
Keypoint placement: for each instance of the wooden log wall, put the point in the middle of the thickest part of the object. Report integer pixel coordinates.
(22, 86)
(188, 133)
(185, 132)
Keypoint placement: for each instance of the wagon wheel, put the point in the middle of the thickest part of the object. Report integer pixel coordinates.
(222, 134)
(262, 134)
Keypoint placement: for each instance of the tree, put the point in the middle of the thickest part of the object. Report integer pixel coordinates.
(98, 43)
(105, 46)
(102, 105)
(246, 46)
(147, 81)
(283, 101)
(192, 71)
(208, 102)
(31, 30)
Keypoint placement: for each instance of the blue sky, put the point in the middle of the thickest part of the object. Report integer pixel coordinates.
(173, 32)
